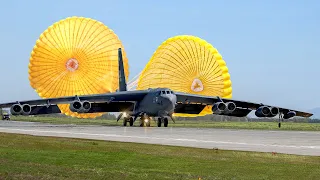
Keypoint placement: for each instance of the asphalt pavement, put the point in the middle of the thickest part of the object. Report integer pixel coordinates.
(289, 142)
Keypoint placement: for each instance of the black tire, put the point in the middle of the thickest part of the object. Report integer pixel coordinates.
(159, 122)
(131, 121)
(125, 122)
(165, 122)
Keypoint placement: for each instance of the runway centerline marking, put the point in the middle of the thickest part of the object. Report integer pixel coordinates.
(166, 139)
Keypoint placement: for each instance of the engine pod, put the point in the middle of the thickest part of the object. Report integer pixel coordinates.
(219, 107)
(26, 109)
(16, 109)
(262, 111)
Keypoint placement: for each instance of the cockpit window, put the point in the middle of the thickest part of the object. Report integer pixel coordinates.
(163, 92)
(168, 92)
(171, 92)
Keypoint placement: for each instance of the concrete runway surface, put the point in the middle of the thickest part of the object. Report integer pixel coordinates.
(289, 142)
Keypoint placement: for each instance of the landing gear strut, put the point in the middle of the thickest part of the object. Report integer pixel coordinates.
(280, 119)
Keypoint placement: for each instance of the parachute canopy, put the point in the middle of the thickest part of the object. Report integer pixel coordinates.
(76, 56)
(187, 64)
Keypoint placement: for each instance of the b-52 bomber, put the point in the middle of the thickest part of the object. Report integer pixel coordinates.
(159, 103)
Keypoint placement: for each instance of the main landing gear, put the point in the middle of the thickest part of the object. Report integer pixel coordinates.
(163, 120)
(126, 120)
(144, 121)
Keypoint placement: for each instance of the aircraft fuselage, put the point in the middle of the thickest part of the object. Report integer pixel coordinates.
(158, 103)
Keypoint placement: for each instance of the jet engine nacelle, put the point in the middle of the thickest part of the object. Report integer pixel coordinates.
(230, 107)
(86, 105)
(16, 109)
(265, 111)
(219, 107)
(262, 111)
(75, 106)
(26, 109)
(223, 108)
(273, 111)
(80, 107)
(290, 114)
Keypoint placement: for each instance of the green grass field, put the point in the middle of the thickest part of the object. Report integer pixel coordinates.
(31, 157)
(189, 123)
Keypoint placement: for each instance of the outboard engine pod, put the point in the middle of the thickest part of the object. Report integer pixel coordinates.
(230, 107)
(219, 107)
(290, 114)
(26, 109)
(16, 109)
(262, 111)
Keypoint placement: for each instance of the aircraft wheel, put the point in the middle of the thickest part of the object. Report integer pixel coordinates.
(159, 122)
(165, 122)
(141, 123)
(131, 121)
(148, 124)
(125, 122)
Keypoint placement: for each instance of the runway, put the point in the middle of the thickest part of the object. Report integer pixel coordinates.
(290, 142)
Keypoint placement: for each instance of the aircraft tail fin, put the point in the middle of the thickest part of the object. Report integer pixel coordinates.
(122, 77)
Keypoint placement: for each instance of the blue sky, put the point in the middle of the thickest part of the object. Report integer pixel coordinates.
(271, 47)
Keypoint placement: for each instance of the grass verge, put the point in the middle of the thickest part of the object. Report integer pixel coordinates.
(189, 123)
(32, 157)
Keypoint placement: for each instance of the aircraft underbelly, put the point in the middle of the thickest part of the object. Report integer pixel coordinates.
(159, 107)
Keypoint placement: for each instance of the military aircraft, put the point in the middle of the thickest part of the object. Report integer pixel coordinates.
(159, 103)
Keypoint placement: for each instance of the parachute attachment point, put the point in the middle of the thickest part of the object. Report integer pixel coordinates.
(72, 64)
(197, 85)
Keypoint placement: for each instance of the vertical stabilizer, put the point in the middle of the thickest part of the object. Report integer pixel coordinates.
(122, 77)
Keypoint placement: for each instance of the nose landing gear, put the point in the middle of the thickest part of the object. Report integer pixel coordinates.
(145, 121)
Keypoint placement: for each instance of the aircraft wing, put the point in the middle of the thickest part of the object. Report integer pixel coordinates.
(241, 105)
(125, 96)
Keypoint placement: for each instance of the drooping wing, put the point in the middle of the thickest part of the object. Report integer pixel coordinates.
(125, 96)
(254, 106)
(243, 107)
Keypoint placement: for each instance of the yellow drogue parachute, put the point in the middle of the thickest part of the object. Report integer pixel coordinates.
(76, 56)
(187, 64)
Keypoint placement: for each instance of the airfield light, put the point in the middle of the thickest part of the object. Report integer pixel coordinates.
(146, 120)
(125, 114)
